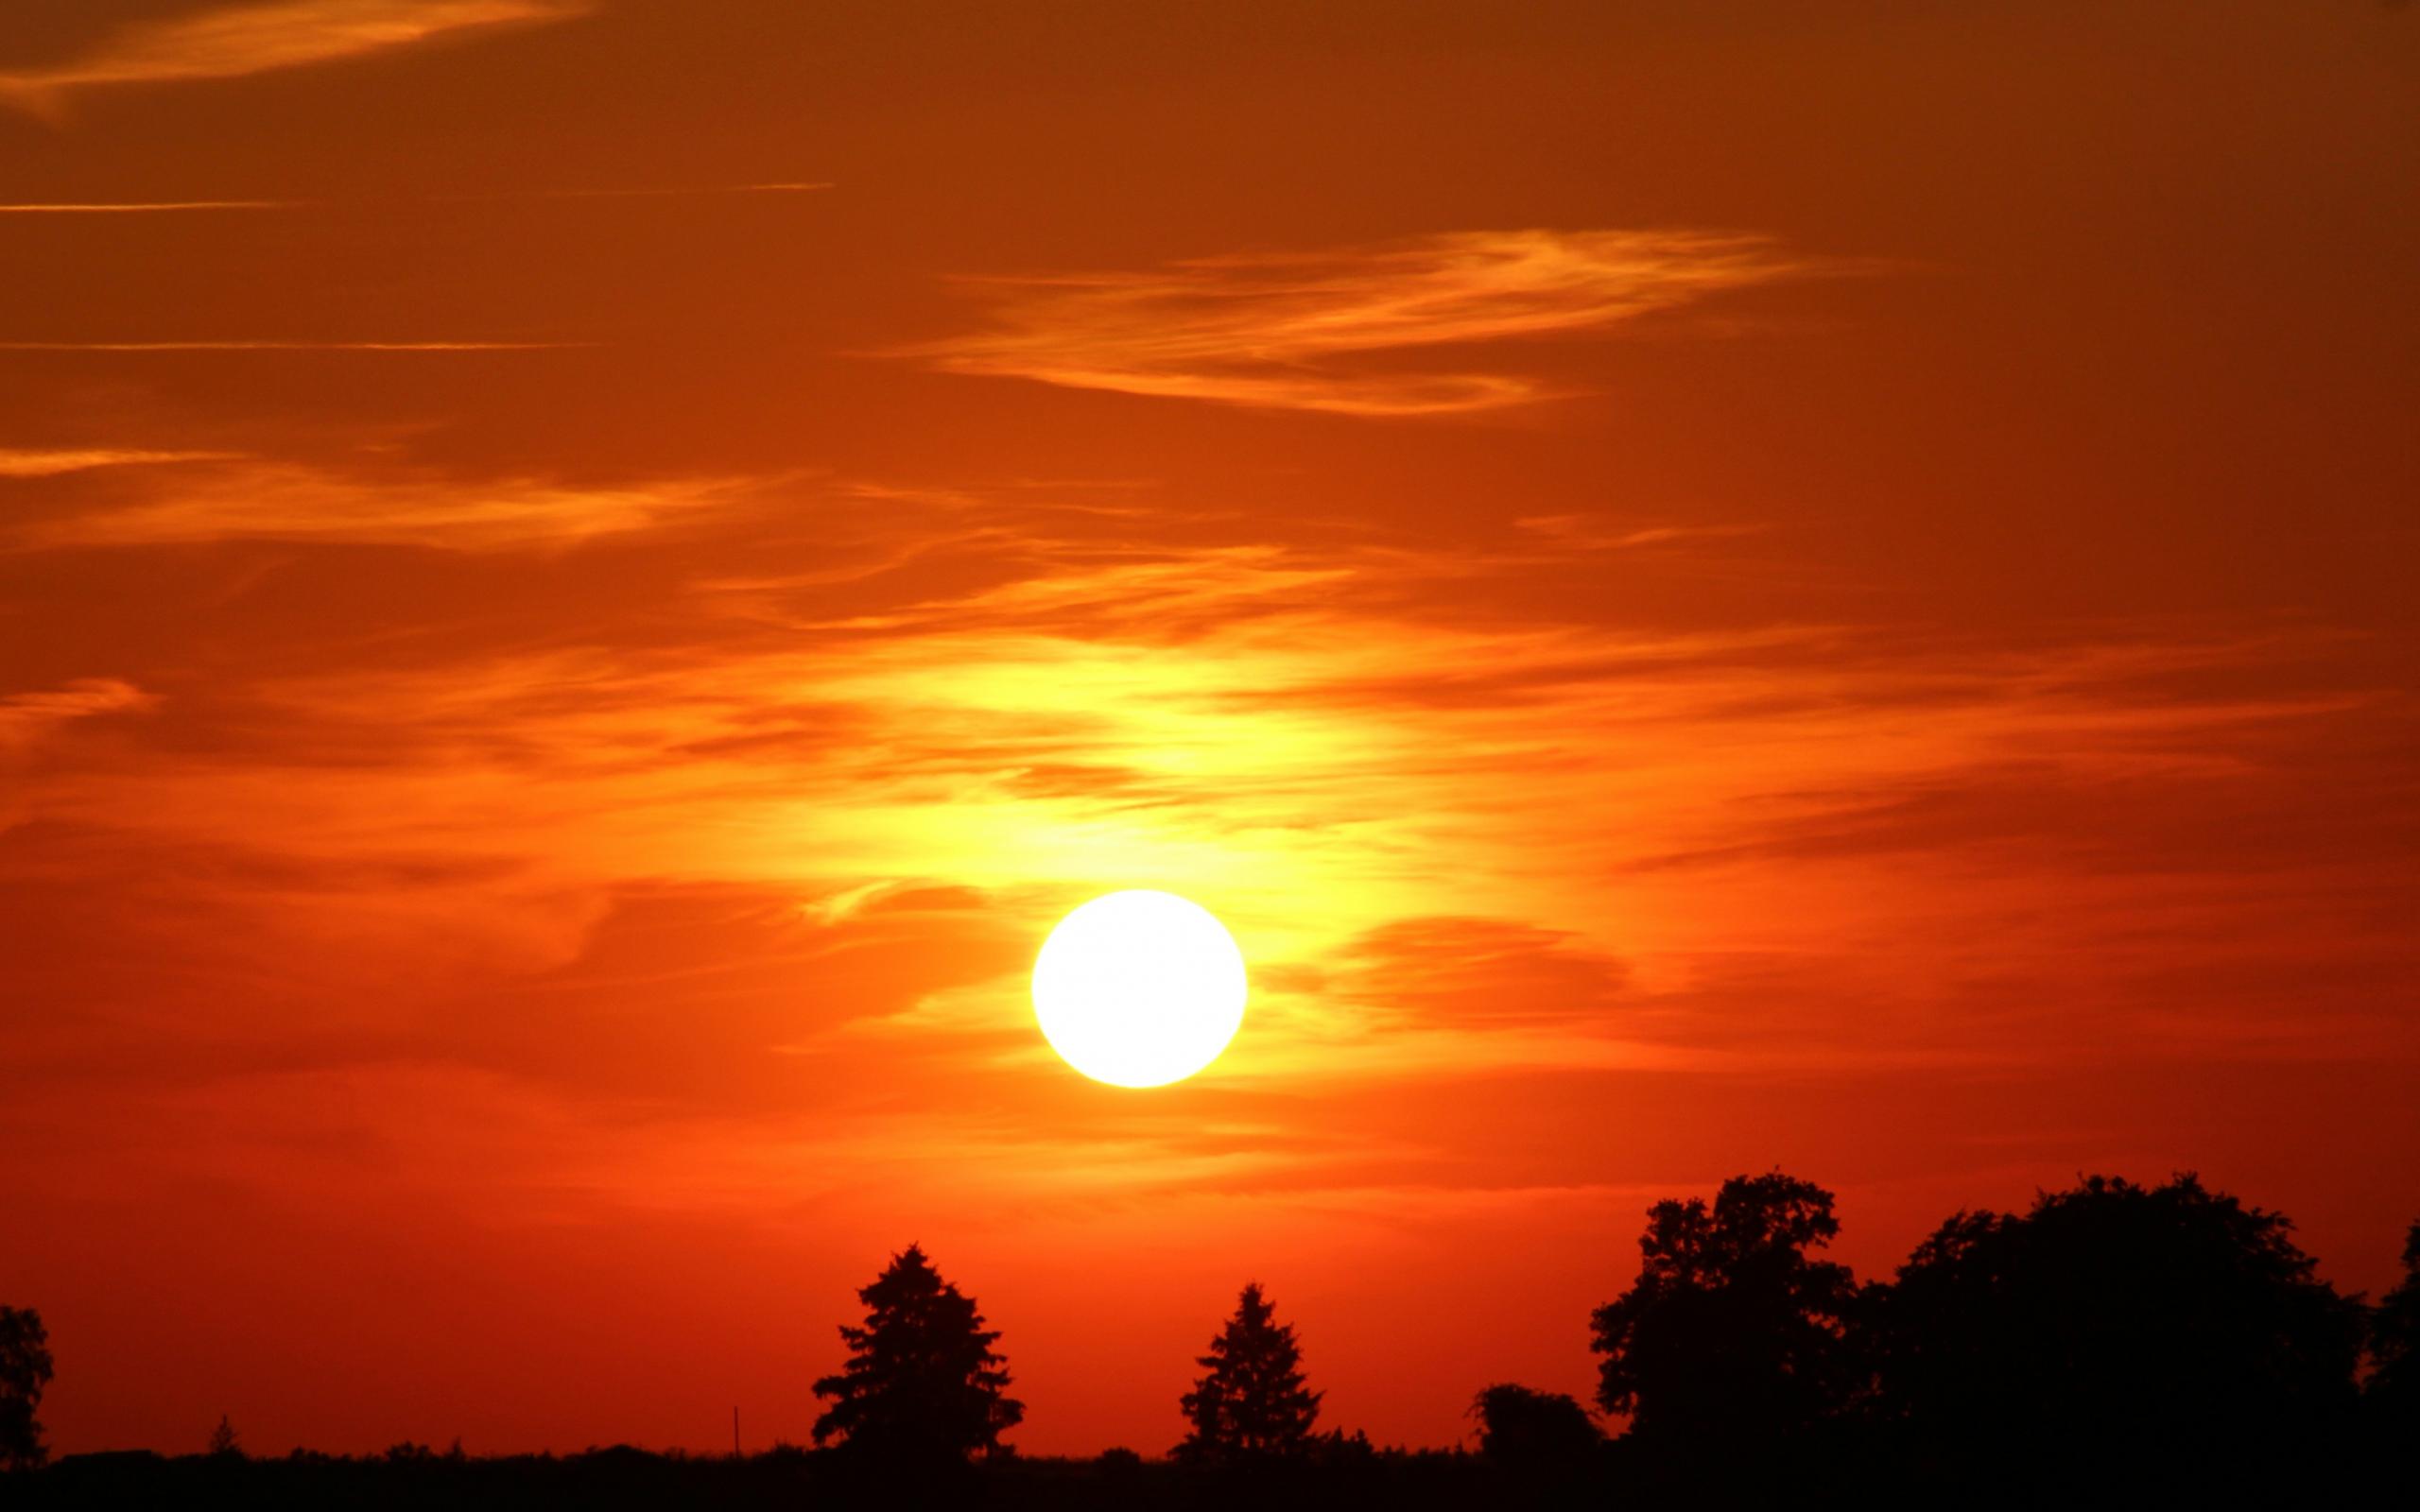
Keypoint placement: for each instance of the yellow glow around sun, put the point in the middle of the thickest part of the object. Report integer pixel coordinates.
(1139, 988)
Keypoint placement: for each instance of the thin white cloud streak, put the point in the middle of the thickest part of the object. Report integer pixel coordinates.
(235, 40)
(1289, 331)
(30, 463)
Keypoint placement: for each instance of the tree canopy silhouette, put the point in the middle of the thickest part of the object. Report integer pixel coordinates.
(1529, 1429)
(923, 1381)
(1734, 1332)
(2395, 1344)
(25, 1370)
(2111, 1320)
(1253, 1404)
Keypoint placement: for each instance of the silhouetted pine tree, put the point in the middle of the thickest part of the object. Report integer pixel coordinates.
(1252, 1403)
(923, 1381)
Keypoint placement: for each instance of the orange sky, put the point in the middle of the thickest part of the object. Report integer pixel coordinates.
(1703, 587)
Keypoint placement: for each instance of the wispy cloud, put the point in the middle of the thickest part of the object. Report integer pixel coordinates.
(1293, 331)
(658, 192)
(16, 462)
(279, 502)
(292, 346)
(27, 717)
(166, 207)
(233, 40)
(142, 207)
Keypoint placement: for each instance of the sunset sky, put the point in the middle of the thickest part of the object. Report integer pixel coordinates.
(1702, 586)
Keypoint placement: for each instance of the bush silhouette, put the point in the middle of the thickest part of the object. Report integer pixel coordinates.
(1253, 1404)
(1526, 1429)
(25, 1370)
(1733, 1334)
(922, 1383)
(2169, 1323)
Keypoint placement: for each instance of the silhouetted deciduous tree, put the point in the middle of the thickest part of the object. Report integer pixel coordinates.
(1734, 1332)
(1252, 1403)
(25, 1370)
(1532, 1428)
(923, 1381)
(2113, 1320)
(2394, 1341)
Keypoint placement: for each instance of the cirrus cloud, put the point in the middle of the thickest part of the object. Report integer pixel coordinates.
(233, 40)
(1296, 331)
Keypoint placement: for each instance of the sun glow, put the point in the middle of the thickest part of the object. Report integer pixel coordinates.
(1139, 988)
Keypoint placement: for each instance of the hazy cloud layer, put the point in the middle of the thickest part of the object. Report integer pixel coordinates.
(1298, 331)
(233, 40)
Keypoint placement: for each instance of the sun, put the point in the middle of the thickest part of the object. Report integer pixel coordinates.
(1139, 988)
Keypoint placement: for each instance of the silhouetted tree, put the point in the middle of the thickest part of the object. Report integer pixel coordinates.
(223, 1443)
(1253, 1404)
(25, 1370)
(1532, 1428)
(923, 1381)
(1734, 1334)
(2113, 1320)
(2395, 1340)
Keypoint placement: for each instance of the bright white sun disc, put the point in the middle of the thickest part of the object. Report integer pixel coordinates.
(1139, 988)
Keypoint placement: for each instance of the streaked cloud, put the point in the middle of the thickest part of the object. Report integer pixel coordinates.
(20, 462)
(142, 207)
(1297, 331)
(291, 345)
(27, 717)
(284, 502)
(664, 192)
(138, 207)
(233, 40)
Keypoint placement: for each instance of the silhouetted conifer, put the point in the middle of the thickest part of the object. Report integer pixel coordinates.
(1733, 1334)
(223, 1443)
(25, 1370)
(1253, 1404)
(923, 1381)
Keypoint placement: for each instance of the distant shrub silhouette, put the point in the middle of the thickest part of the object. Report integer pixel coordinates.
(1526, 1429)
(2395, 1344)
(922, 1383)
(1253, 1404)
(1733, 1334)
(25, 1370)
(2169, 1323)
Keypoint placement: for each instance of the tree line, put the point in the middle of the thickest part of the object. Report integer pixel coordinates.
(2109, 1323)
(2168, 1334)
